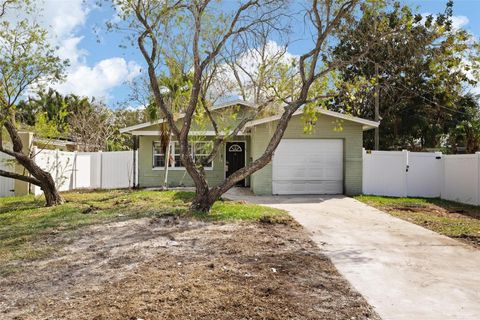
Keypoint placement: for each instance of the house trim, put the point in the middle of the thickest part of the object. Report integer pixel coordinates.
(367, 124)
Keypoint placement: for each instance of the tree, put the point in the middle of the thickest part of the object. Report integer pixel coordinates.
(86, 121)
(197, 35)
(464, 134)
(26, 60)
(424, 65)
(122, 118)
(91, 124)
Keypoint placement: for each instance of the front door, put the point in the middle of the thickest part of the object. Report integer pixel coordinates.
(235, 158)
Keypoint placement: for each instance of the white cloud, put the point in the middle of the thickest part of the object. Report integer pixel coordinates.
(64, 21)
(459, 21)
(98, 80)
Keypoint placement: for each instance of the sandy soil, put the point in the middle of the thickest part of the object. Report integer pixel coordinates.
(173, 268)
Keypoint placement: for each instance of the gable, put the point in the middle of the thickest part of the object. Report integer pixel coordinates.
(227, 114)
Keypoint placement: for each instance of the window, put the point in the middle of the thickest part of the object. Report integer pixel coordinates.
(158, 155)
(175, 156)
(202, 150)
(199, 150)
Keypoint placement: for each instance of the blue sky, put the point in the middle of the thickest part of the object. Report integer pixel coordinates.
(101, 69)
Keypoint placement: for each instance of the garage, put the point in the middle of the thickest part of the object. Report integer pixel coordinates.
(308, 166)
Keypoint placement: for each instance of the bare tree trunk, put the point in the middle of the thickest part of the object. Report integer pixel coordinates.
(39, 177)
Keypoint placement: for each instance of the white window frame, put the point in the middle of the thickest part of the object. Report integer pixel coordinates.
(194, 151)
(156, 154)
(172, 154)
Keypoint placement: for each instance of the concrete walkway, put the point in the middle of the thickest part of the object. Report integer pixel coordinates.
(403, 270)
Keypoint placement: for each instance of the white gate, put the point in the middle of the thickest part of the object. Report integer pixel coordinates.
(403, 173)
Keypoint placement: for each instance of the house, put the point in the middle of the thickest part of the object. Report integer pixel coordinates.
(326, 161)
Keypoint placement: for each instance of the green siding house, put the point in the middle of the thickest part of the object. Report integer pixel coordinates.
(327, 160)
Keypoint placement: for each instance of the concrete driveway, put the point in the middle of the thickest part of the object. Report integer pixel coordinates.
(403, 270)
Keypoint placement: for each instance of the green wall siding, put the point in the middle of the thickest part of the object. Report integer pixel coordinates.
(326, 128)
(152, 177)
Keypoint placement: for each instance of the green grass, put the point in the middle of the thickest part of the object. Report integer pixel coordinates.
(25, 223)
(452, 219)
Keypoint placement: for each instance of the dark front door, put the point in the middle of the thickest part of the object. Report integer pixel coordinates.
(235, 158)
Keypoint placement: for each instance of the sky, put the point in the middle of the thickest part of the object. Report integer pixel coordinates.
(100, 68)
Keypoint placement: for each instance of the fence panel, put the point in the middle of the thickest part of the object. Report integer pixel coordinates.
(424, 176)
(429, 175)
(59, 164)
(87, 170)
(82, 174)
(384, 173)
(117, 169)
(461, 178)
(7, 185)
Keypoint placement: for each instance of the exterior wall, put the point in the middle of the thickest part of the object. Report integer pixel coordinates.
(177, 177)
(326, 128)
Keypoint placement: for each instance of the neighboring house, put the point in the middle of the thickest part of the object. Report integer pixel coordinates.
(326, 161)
(31, 145)
(55, 144)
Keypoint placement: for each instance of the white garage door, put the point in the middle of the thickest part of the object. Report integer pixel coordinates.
(308, 166)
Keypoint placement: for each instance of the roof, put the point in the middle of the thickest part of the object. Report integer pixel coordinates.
(221, 106)
(54, 142)
(367, 124)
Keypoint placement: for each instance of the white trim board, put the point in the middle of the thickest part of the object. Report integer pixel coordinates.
(367, 124)
(191, 133)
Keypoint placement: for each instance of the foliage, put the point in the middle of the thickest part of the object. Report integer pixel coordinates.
(464, 133)
(26, 59)
(424, 66)
(88, 122)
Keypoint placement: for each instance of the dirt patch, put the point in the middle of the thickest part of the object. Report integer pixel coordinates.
(172, 268)
(437, 210)
(457, 223)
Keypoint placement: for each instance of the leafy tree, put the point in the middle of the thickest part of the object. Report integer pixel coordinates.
(26, 60)
(464, 134)
(421, 66)
(201, 34)
(125, 117)
(89, 122)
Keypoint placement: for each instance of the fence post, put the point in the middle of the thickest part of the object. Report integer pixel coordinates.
(442, 173)
(74, 176)
(100, 168)
(478, 178)
(56, 167)
(407, 167)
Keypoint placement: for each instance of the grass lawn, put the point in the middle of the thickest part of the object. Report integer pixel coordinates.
(449, 218)
(25, 220)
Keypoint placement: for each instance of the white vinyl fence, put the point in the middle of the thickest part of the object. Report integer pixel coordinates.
(7, 185)
(422, 174)
(87, 170)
